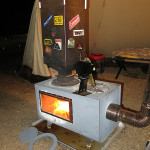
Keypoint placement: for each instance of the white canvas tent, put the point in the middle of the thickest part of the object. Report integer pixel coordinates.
(33, 54)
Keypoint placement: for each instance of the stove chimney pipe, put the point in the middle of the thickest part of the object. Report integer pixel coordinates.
(138, 119)
(65, 33)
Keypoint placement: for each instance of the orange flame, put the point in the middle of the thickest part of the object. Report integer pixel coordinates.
(55, 106)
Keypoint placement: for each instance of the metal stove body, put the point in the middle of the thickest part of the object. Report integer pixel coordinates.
(87, 113)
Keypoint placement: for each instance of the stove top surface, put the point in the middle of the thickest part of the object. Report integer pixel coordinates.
(101, 89)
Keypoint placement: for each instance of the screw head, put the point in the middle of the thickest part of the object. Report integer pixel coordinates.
(148, 105)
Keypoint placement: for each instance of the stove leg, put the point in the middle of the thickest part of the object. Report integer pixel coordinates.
(37, 122)
(89, 143)
(49, 125)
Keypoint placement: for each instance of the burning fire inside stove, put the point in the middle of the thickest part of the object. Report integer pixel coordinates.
(56, 105)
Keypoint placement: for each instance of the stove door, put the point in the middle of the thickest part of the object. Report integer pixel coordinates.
(57, 106)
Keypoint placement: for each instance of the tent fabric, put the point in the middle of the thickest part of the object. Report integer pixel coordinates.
(33, 54)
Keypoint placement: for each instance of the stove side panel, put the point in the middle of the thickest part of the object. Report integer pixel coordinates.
(86, 116)
(108, 126)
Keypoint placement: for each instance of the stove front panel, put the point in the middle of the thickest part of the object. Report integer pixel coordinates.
(85, 120)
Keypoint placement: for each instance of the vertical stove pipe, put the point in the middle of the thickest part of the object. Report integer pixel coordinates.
(138, 119)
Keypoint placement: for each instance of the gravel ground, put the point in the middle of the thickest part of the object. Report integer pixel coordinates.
(18, 111)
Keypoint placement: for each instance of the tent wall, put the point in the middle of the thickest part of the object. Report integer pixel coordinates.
(116, 24)
(113, 24)
(33, 54)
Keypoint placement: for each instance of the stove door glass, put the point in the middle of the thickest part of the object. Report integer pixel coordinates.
(56, 105)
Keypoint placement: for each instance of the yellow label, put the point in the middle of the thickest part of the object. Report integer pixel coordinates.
(48, 42)
(129, 56)
(58, 20)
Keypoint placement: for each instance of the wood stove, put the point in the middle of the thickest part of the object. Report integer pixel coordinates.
(85, 115)
(65, 42)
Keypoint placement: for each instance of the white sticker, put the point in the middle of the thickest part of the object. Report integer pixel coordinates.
(58, 44)
(64, 2)
(78, 32)
(85, 4)
(39, 4)
(71, 43)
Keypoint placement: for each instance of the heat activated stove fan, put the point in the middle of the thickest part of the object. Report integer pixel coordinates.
(68, 101)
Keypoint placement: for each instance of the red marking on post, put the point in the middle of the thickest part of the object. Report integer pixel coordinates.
(74, 22)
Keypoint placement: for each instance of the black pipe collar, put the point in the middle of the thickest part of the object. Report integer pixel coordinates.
(145, 109)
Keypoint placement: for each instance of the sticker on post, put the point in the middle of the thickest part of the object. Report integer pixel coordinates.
(58, 20)
(78, 32)
(74, 22)
(58, 44)
(79, 47)
(39, 4)
(47, 21)
(71, 43)
(53, 32)
(48, 42)
(48, 50)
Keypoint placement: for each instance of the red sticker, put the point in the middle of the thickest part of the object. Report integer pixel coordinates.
(74, 22)
(79, 46)
(48, 50)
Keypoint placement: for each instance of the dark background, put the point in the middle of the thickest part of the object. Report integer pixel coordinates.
(15, 16)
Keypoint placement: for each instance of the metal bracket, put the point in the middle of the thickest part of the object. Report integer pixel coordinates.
(89, 143)
(49, 125)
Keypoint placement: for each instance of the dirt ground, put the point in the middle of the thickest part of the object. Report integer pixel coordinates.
(18, 111)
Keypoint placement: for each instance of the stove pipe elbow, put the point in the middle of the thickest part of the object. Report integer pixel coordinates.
(138, 119)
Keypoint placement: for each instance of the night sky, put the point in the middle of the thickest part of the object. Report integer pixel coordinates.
(15, 16)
